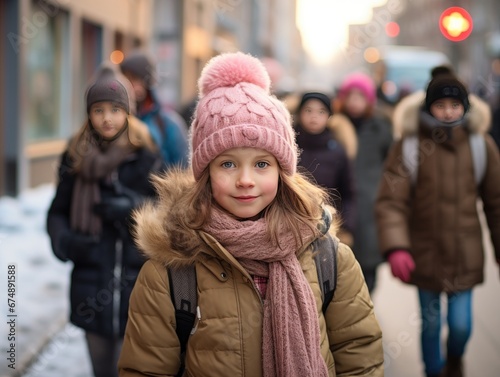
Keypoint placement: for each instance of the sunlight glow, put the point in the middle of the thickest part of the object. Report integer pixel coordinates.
(324, 24)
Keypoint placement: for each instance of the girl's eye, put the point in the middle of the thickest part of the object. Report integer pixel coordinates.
(97, 111)
(262, 164)
(227, 164)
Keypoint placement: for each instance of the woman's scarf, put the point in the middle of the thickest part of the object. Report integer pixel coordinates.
(101, 158)
(290, 334)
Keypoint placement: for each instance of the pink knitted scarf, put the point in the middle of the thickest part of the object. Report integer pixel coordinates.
(290, 334)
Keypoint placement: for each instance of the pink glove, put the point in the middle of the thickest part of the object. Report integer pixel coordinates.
(402, 264)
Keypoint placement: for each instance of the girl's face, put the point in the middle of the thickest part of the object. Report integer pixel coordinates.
(356, 103)
(107, 118)
(313, 116)
(244, 181)
(447, 110)
(140, 89)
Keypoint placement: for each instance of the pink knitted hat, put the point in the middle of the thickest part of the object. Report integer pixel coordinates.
(359, 81)
(236, 109)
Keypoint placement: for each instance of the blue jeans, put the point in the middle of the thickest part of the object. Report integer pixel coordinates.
(459, 326)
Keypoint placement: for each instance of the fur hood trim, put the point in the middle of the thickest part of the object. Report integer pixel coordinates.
(406, 115)
(157, 232)
(344, 133)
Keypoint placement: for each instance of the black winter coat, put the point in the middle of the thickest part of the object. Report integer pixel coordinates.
(103, 275)
(374, 141)
(327, 161)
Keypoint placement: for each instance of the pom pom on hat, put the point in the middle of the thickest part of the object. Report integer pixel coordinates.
(235, 109)
(229, 69)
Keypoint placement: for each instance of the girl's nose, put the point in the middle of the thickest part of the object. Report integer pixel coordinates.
(107, 115)
(245, 178)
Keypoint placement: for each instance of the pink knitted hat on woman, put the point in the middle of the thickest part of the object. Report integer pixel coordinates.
(236, 109)
(359, 81)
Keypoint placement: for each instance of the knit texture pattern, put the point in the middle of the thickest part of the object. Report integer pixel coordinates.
(109, 89)
(236, 109)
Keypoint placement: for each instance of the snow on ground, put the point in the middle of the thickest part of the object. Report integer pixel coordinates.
(39, 309)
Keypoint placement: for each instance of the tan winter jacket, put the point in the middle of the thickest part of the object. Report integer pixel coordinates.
(228, 339)
(437, 218)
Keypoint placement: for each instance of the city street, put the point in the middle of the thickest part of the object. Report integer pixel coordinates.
(47, 346)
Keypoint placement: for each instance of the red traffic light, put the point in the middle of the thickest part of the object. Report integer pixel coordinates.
(455, 24)
(392, 29)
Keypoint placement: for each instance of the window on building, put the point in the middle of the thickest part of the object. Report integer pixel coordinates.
(47, 62)
(92, 55)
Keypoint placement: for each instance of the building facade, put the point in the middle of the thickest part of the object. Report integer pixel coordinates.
(51, 51)
(53, 48)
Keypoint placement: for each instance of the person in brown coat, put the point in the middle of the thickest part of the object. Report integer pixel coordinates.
(427, 214)
(245, 219)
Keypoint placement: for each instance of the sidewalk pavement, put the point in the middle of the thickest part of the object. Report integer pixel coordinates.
(397, 309)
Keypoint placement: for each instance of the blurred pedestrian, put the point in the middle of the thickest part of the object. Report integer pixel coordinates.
(167, 128)
(325, 159)
(404, 112)
(357, 100)
(427, 214)
(245, 222)
(495, 126)
(103, 176)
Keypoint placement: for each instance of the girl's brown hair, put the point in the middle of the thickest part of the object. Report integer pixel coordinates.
(298, 203)
(86, 138)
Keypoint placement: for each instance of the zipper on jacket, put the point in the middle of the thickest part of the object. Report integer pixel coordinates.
(117, 272)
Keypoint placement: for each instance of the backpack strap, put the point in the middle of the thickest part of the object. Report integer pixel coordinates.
(183, 293)
(477, 146)
(479, 157)
(325, 258)
(410, 156)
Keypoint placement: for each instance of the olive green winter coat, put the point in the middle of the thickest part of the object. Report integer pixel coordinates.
(227, 340)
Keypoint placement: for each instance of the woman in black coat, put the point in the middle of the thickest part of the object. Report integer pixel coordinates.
(357, 100)
(103, 176)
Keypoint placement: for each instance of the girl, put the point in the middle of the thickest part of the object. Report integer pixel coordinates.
(102, 176)
(245, 219)
(428, 224)
(325, 158)
(357, 100)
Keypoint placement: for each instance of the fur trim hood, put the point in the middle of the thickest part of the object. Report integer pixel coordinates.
(160, 235)
(157, 233)
(344, 133)
(406, 115)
